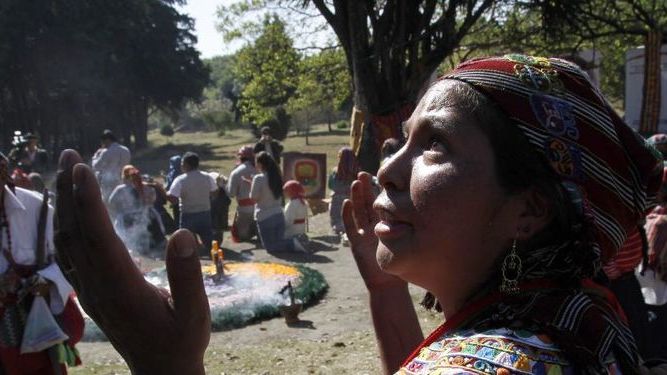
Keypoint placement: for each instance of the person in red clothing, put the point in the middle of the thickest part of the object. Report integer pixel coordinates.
(653, 279)
(622, 281)
(39, 322)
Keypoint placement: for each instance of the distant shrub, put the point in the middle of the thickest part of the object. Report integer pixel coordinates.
(166, 130)
(218, 120)
(342, 124)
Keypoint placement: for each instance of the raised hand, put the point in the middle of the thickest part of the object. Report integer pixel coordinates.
(360, 219)
(396, 326)
(155, 332)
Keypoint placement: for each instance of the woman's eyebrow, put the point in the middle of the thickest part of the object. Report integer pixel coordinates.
(443, 123)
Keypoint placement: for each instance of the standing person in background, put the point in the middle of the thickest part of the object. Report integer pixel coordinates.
(266, 190)
(108, 162)
(269, 145)
(29, 277)
(296, 212)
(173, 172)
(192, 190)
(220, 207)
(29, 157)
(339, 184)
(244, 226)
(653, 277)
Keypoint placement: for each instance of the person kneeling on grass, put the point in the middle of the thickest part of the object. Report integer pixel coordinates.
(266, 190)
(296, 211)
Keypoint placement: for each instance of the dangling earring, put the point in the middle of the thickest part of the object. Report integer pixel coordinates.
(511, 272)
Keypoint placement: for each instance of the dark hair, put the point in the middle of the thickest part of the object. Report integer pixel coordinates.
(107, 135)
(270, 168)
(191, 159)
(519, 167)
(265, 130)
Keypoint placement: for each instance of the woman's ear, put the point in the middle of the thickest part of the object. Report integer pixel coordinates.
(533, 215)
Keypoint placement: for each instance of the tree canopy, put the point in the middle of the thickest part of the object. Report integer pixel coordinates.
(268, 71)
(324, 87)
(645, 20)
(69, 69)
(393, 47)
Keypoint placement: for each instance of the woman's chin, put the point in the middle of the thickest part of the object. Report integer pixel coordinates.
(387, 260)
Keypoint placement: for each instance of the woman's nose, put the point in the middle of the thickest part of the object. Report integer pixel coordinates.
(394, 174)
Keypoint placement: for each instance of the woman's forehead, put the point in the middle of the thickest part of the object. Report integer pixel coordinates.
(438, 103)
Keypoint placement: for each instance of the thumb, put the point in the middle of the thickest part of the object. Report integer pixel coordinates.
(185, 279)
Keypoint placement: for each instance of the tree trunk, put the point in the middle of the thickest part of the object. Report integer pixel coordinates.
(141, 129)
(329, 120)
(650, 114)
(307, 123)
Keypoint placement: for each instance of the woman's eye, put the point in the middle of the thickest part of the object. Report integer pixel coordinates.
(437, 145)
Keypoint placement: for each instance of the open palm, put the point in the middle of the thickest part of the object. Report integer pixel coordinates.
(155, 332)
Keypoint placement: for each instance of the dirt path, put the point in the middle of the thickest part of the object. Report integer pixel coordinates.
(335, 336)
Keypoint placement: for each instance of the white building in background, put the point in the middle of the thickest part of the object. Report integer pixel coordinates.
(634, 83)
(589, 60)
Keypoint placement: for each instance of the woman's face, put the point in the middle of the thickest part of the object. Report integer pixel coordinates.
(443, 215)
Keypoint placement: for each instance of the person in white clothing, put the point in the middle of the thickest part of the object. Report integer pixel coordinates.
(296, 210)
(244, 225)
(192, 190)
(108, 162)
(29, 277)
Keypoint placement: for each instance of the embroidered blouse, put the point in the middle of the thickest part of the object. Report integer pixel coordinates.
(494, 351)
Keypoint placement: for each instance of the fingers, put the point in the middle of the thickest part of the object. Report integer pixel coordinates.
(185, 279)
(92, 256)
(67, 234)
(348, 220)
(368, 187)
(90, 210)
(359, 207)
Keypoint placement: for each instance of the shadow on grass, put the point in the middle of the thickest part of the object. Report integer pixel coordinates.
(322, 133)
(156, 160)
(302, 324)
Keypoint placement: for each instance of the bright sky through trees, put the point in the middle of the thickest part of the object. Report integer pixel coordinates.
(209, 41)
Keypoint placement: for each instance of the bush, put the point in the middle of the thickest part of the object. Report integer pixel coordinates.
(166, 130)
(342, 124)
(218, 120)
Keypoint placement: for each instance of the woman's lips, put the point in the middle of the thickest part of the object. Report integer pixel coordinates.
(391, 225)
(386, 229)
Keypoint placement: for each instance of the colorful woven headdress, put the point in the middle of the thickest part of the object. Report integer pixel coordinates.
(601, 160)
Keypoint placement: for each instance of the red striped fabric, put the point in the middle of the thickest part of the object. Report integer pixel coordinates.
(627, 259)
